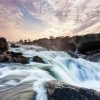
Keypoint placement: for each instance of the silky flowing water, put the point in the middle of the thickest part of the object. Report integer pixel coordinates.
(58, 66)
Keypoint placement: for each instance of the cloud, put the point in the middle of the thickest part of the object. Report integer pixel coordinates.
(42, 18)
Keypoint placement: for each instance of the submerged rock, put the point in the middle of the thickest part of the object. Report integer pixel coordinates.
(20, 92)
(38, 59)
(3, 45)
(61, 91)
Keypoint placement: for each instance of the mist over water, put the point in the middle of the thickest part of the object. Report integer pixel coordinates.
(58, 66)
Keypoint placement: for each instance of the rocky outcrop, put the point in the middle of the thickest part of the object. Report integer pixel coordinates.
(3, 45)
(89, 46)
(61, 91)
(15, 57)
(21, 59)
(38, 59)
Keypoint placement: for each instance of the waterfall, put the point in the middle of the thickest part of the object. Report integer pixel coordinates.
(59, 66)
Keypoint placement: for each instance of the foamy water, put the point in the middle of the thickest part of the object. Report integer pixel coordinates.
(58, 66)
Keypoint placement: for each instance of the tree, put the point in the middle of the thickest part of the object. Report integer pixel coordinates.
(51, 37)
(21, 41)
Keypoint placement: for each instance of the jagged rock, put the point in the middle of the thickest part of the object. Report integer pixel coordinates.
(61, 91)
(3, 45)
(38, 59)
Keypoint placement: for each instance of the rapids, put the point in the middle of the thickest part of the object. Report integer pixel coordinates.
(58, 66)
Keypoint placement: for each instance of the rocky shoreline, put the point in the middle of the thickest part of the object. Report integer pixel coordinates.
(89, 50)
(56, 90)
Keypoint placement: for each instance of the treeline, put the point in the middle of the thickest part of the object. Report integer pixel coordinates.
(62, 43)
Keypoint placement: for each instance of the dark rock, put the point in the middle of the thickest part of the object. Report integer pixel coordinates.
(61, 91)
(70, 46)
(3, 45)
(2, 57)
(90, 53)
(21, 59)
(95, 57)
(72, 54)
(14, 45)
(5, 58)
(89, 46)
(15, 57)
(15, 54)
(8, 58)
(38, 59)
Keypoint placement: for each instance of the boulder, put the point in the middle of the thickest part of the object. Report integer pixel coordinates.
(57, 90)
(15, 54)
(8, 58)
(21, 59)
(38, 59)
(15, 57)
(5, 58)
(3, 45)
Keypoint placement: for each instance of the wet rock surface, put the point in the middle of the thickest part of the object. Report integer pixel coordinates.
(61, 91)
(3, 45)
(15, 57)
(72, 54)
(20, 92)
(94, 57)
(38, 59)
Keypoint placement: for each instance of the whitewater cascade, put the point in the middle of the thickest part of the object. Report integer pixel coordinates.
(58, 66)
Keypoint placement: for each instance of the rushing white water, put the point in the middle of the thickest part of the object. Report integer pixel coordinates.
(58, 66)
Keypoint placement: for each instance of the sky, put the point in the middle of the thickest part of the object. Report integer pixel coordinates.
(23, 19)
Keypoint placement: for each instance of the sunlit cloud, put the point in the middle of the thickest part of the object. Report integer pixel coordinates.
(43, 18)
